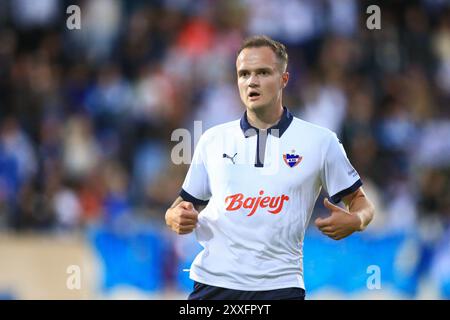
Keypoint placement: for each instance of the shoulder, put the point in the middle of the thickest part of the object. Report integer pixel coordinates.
(313, 131)
(219, 132)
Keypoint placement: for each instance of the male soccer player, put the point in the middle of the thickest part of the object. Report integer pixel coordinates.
(259, 178)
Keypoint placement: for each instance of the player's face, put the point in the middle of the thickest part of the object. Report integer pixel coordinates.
(260, 79)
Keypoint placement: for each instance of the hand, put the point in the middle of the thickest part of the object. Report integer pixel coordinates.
(339, 224)
(183, 218)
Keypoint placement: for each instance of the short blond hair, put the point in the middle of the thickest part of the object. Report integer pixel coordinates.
(264, 41)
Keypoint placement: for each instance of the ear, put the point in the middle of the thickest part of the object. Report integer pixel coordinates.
(284, 79)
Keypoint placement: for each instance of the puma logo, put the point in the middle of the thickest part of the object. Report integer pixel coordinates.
(231, 158)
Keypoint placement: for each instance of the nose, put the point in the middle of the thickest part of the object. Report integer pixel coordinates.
(253, 81)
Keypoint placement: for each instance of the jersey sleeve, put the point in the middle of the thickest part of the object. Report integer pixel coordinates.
(196, 187)
(339, 177)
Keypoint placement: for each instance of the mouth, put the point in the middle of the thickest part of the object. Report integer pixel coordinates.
(254, 95)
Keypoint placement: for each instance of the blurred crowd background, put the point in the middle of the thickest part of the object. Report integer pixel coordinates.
(86, 117)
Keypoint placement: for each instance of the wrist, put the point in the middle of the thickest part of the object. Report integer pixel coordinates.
(167, 217)
(360, 222)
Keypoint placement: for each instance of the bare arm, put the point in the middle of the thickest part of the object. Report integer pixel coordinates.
(182, 216)
(358, 204)
(343, 222)
(180, 199)
(176, 202)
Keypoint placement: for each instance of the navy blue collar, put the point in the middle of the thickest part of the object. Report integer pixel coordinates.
(248, 130)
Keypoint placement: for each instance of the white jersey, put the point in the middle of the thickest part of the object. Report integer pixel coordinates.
(260, 187)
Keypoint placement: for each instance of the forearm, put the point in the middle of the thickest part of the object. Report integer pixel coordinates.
(176, 202)
(180, 199)
(362, 207)
(181, 217)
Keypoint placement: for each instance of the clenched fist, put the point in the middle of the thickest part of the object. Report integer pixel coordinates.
(183, 218)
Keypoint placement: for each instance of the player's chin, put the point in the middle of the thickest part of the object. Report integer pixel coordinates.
(255, 105)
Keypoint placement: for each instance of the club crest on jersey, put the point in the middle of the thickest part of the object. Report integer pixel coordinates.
(292, 159)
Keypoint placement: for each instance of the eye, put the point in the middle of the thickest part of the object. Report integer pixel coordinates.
(243, 74)
(264, 73)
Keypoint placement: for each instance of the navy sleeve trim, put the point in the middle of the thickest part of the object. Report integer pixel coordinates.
(187, 197)
(338, 196)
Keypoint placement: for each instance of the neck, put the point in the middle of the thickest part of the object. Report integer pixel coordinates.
(264, 119)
